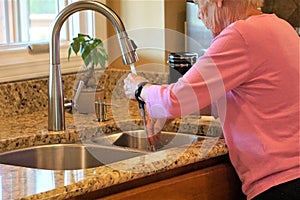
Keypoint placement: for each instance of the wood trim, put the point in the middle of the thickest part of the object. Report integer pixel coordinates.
(217, 182)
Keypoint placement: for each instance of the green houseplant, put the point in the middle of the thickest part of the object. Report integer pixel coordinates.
(94, 55)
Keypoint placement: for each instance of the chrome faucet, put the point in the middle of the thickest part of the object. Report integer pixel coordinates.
(56, 115)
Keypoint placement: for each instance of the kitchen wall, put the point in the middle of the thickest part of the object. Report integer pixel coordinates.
(156, 26)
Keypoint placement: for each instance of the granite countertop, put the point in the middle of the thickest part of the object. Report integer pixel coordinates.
(31, 129)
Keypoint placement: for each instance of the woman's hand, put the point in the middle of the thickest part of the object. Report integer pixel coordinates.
(154, 127)
(131, 84)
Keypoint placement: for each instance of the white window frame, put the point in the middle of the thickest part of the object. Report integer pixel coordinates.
(17, 64)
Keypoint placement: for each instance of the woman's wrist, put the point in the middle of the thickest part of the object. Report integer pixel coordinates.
(144, 91)
(138, 91)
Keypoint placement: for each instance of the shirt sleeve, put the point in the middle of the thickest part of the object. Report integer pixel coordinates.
(222, 68)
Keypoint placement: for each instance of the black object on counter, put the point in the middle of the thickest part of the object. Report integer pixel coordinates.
(180, 63)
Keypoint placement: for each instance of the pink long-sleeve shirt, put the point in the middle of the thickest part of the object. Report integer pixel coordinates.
(251, 73)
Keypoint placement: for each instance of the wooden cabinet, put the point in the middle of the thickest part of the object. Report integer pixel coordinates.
(212, 179)
(218, 182)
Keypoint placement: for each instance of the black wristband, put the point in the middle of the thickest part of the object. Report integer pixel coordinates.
(139, 90)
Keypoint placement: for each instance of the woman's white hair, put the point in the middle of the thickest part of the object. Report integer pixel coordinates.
(231, 11)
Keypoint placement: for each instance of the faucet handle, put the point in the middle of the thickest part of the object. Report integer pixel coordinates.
(134, 46)
(68, 105)
(77, 93)
(100, 109)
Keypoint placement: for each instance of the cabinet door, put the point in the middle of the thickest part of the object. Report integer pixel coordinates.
(218, 182)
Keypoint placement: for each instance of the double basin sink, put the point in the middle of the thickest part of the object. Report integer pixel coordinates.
(96, 152)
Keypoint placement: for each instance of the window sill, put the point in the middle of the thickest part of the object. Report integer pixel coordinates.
(17, 64)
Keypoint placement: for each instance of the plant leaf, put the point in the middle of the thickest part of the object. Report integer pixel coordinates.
(86, 54)
(102, 61)
(91, 49)
(87, 60)
(69, 52)
(75, 46)
(95, 57)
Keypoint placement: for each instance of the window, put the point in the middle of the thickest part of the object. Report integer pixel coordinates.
(24, 22)
(27, 20)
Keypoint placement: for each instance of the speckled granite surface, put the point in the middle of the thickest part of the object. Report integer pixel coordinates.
(28, 127)
(31, 96)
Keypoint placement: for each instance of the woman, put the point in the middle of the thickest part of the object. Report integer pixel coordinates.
(251, 73)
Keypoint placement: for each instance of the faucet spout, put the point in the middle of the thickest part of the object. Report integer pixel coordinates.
(56, 117)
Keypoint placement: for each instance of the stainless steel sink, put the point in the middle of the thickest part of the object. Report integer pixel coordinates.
(139, 141)
(65, 156)
(95, 152)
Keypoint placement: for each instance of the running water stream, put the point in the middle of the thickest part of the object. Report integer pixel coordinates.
(143, 114)
(132, 68)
